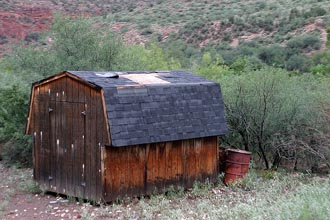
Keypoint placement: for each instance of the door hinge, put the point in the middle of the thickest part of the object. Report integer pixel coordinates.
(83, 113)
(50, 110)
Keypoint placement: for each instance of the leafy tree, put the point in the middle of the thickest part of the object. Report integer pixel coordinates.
(138, 57)
(31, 64)
(80, 45)
(211, 67)
(271, 114)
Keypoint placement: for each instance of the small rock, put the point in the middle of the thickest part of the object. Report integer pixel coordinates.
(52, 202)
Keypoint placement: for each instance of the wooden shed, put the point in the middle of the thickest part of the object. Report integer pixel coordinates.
(105, 135)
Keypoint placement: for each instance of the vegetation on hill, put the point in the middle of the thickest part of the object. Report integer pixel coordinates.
(280, 33)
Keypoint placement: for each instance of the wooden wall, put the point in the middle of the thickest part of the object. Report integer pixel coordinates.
(67, 121)
(144, 169)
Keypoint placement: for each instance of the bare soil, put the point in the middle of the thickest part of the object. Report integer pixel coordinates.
(18, 201)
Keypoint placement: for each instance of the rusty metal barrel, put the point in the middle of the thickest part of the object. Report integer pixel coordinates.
(237, 164)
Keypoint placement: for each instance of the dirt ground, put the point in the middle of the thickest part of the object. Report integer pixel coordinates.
(20, 199)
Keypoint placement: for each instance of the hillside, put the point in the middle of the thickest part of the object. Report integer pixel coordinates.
(196, 22)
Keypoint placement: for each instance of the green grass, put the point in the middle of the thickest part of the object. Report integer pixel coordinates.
(286, 196)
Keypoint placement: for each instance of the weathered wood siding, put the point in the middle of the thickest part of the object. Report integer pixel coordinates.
(144, 169)
(69, 128)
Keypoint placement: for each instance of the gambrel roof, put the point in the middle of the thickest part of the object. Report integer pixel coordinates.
(159, 106)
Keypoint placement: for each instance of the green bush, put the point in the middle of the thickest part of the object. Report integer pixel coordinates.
(17, 147)
(298, 62)
(315, 12)
(272, 113)
(18, 151)
(306, 42)
(32, 37)
(13, 112)
(272, 55)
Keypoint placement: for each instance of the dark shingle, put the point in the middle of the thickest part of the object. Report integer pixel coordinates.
(188, 106)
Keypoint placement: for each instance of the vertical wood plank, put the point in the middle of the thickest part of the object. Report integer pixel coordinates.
(37, 170)
(189, 162)
(178, 162)
(173, 163)
(152, 167)
(216, 158)
(161, 177)
(139, 170)
(203, 161)
(73, 91)
(93, 146)
(69, 164)
(128, 169)
(78, 149)
(168, 163)
(58, 146)
(52, 145)
(88, 143)
(99, 129)
(44, 134)
(198, 148)
(209, 146)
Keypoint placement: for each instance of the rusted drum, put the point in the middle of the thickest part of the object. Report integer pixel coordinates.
(237, 164)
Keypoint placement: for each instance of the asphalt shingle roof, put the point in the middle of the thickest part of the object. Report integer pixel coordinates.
(148, 107)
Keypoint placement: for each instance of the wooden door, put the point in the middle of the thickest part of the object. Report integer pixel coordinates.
(67, 137)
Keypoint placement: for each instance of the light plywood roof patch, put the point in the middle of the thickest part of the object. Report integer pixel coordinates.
(145, 79)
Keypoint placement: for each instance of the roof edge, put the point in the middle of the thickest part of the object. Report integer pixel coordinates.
(64, 74)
